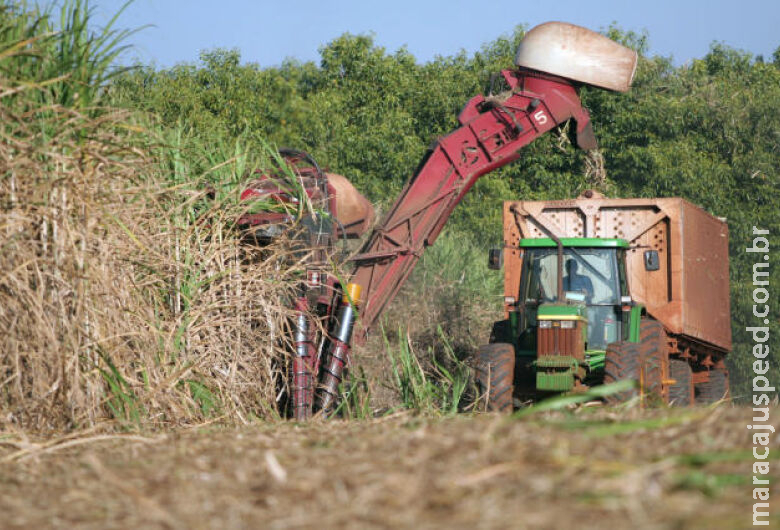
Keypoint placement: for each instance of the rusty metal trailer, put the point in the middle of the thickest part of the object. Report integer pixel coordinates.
(676, 263)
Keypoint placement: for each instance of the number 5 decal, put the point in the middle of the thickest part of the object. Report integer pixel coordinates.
(540, 117)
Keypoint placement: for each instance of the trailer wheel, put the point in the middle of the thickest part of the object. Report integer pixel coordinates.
(715, 389)
(622, 363)
(495, 370)
(653, 353)
(681, 391)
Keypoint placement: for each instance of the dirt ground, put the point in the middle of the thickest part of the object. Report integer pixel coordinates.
(593, 468)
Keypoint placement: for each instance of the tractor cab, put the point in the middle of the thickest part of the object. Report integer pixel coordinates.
(563, 330)
(594, 276)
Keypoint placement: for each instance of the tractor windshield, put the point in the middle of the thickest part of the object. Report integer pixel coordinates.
(590, 275)
(588, 272)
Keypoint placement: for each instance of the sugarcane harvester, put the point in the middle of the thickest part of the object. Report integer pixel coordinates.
(542, 93)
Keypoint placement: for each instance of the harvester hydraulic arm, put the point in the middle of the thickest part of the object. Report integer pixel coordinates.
(492, 132)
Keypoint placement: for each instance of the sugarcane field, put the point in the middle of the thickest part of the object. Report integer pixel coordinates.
(343, 266)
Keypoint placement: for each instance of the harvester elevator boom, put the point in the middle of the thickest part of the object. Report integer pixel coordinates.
(492, 133)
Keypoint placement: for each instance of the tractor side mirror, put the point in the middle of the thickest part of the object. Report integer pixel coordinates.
(652, 262)
(495, 258)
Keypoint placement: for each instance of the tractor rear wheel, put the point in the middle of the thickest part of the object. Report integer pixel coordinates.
(495, 371)
(715, 389)
(681, 391)
(653, 352)
(622, 363)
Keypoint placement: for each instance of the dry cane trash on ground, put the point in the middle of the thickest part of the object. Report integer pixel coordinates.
(595, 468)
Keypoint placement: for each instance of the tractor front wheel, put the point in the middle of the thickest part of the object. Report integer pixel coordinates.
(495, 370)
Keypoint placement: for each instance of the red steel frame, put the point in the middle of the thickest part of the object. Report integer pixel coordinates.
(492, 132)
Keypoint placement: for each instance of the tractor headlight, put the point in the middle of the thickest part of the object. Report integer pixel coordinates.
(545, 324)
(567, 324)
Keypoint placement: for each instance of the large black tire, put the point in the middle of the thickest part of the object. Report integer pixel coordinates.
(501, 332)
(495, 369)
(622, 363)
(681, 391)
(653, 354)
(715, 389)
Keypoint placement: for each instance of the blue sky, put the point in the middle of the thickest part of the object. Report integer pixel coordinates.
(266, 32)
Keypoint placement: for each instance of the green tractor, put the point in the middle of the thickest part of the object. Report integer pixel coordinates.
(582, 311)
